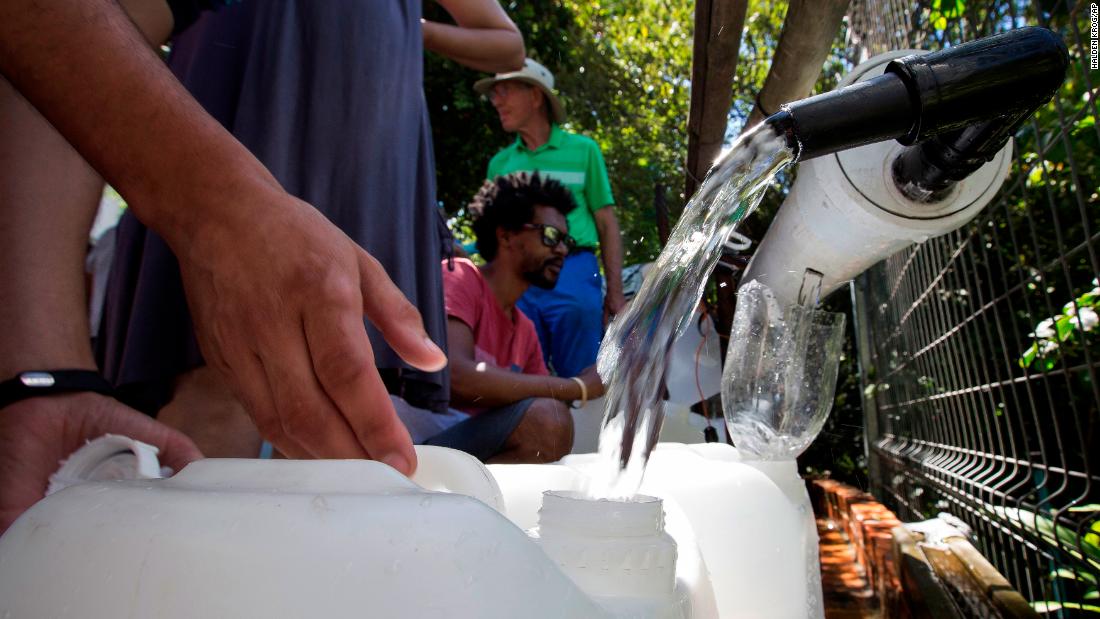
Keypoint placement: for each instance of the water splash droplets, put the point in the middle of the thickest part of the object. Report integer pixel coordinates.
(633, 358)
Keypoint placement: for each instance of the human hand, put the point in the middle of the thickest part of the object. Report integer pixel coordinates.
(278, 295)
(592, 382)
(613, 304)
(36, 434)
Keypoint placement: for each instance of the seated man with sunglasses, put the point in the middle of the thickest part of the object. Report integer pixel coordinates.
(517, 411)
(569, 319)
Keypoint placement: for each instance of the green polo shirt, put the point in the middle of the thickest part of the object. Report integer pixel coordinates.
(573, 160)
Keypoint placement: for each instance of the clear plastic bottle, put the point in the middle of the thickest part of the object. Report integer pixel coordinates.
(780, 374)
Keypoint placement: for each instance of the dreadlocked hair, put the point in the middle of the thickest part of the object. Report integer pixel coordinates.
(509, 202)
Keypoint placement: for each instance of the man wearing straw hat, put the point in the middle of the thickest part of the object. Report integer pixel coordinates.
(569, 318)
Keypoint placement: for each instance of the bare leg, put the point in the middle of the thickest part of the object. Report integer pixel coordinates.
(48, 197)
(545, 434)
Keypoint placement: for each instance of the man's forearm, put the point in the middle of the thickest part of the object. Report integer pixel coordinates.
(611, 248)
(491, 386)
(484, 37)
(486, 49)
(88, 70)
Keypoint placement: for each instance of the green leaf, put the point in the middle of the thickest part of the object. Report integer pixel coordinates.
(1065, 327)
(1029, 356)
(1035, 175)
(1086, 547)
(1085, 123)
(1085, 509)
(1048, 606)
(953, 8)
(1069, 574)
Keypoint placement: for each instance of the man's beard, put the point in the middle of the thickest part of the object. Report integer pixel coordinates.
(541, 278)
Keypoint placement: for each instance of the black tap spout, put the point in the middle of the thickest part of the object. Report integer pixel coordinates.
(876, 110)
(970, 97)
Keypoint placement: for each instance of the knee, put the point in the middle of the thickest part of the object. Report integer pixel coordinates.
(551, 430)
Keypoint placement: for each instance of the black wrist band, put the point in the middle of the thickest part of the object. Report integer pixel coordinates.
(51, 382)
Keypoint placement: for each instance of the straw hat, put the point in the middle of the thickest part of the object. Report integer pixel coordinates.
(534, 74)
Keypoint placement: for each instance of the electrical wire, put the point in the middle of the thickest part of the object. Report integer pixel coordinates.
(710, 433)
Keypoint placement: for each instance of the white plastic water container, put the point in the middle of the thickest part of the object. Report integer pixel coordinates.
(276, 539)
(753, 536)
(261, 538)
(617, 552)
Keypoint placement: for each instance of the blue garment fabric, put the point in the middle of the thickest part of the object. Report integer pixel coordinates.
(328, 95)
(569, 318)
(422, 423)
(483, 435)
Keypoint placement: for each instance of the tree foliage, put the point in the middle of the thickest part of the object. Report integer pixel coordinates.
(623, 69)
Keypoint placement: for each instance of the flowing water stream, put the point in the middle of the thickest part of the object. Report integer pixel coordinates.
(634, 356)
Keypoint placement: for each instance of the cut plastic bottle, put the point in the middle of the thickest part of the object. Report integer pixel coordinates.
(780, 374)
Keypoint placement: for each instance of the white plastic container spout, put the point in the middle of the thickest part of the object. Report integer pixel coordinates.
(616, 551)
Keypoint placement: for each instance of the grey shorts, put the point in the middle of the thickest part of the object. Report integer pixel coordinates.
(482, 435)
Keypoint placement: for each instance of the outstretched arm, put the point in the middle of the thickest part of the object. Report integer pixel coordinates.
(48, 196)
(484, 37)
(481, 384)
(276, 291)
(611, 250)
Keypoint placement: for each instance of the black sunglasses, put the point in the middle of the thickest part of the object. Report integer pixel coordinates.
(551, 236)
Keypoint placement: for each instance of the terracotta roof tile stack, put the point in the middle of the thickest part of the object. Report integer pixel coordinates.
(859, 574)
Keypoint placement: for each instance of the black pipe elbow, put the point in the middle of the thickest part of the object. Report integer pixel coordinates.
(876, 110)
(1002, 76)
(1000, 79)
(1019, 74)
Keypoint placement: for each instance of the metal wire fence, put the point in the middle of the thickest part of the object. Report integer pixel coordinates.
(980, 350)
